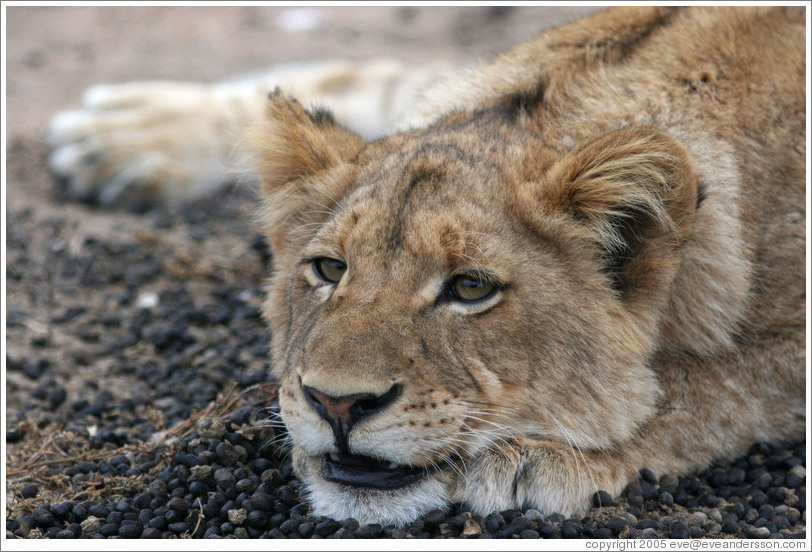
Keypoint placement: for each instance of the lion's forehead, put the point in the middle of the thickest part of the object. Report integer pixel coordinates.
(429, 237)
(428, 203)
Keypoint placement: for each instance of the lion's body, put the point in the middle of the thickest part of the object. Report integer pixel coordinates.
(629, 187)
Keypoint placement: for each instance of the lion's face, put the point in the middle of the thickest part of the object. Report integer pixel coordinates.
(435, 298)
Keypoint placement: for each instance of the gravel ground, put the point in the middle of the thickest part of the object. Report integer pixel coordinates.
(137, 393)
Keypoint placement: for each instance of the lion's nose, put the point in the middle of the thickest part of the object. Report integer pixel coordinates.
(342, 413)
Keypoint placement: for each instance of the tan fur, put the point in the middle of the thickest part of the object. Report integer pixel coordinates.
(634, 182)
(672, 138)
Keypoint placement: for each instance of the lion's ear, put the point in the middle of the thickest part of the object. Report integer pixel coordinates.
(300, 156)
(636, 191)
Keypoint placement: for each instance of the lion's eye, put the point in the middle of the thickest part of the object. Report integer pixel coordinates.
(471, 290)
(329, 270)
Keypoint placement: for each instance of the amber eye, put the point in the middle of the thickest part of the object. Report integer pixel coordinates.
(329, 270)
(469, 289)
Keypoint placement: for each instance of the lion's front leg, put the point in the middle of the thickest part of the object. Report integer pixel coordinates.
(546, 475)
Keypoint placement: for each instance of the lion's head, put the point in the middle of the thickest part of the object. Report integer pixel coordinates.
(441, 292)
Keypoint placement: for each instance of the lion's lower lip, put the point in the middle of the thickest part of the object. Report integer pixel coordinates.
(363, 471)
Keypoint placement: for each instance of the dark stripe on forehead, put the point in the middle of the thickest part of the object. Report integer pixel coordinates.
(421, 174)
(409, 177)
(448, 150)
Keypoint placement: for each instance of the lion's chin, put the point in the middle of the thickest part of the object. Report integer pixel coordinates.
(411, 493)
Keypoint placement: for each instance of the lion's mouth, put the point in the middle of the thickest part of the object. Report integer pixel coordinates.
(363, 471)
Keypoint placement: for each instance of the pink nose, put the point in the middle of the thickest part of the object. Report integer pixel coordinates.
(342, 413)
(336, 408)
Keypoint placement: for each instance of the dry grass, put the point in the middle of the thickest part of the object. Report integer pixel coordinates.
(44, 452)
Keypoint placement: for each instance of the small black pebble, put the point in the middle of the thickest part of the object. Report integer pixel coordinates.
(371, 531)
(556, 518)
(198, 488)
(434, 518)
(291, 525)
(44, 517)
(679, 530)
(257, 519)
(569, 530)
(79, 511)
(157, 522)
(327, 527)
(602, 499)
(616, 525)
(187, 459)
(57, 396)
(151, 533)
(158, 489)
(33, 370)
(603, 533)
(99, 511)
(306, 529)
(262, 501)
(457, 523)
(648, 524)
(224, 478)
(109, 529)
(29, 491)
(493, 522)
(730, 526)
(246, 485)
(275, 533)
(648, 476)
(145, 515)
(287, 495)
(758, 500)
(635, 500)
(177, 504)
(226, 528)
(546, 531)
(648, 490)
(75, 529)
(178, 527)
(225, 452)
(130, 531)
(666, 499)
(588, 530)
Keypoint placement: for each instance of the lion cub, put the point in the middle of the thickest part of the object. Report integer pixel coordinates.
(586, 258)
(592, 263)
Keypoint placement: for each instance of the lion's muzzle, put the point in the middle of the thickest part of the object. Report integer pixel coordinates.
(342, 414)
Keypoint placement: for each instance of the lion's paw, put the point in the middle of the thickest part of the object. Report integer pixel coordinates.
(547, 476)
(140, 143)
